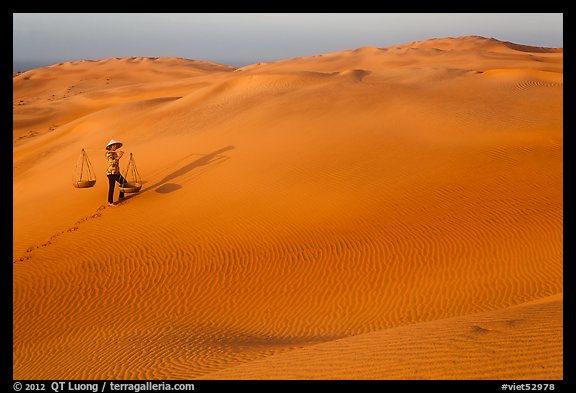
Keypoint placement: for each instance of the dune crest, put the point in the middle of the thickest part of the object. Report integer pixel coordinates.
(293, 212)
(478, 343)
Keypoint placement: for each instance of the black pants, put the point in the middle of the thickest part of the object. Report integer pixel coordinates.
(112, 179)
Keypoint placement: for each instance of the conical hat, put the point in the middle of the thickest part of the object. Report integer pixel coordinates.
(113, 142)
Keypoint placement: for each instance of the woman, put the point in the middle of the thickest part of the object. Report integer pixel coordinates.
(113, 171)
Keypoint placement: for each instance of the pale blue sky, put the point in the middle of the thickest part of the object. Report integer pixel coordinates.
(241, 39)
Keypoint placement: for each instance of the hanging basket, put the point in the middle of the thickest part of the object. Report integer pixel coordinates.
(131, 187)
(84, 176)
(133, 182)
(84, 183)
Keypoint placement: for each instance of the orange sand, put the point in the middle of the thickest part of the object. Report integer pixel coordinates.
(371, 213)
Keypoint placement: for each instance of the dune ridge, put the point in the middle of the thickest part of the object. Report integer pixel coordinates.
(296, 211)
(493, 345)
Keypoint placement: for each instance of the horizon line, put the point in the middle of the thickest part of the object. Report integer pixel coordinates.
(38, 63)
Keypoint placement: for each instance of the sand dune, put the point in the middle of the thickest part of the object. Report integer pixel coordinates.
(294, 212)
(497, 344)
(46, 98)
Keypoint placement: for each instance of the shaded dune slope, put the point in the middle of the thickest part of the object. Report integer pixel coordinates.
(499, 344)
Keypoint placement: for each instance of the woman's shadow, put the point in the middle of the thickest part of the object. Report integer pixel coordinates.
(208, 159)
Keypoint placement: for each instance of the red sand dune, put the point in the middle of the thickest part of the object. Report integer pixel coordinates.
(371, 213)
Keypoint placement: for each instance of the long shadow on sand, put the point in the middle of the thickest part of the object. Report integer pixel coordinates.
(208, 159)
